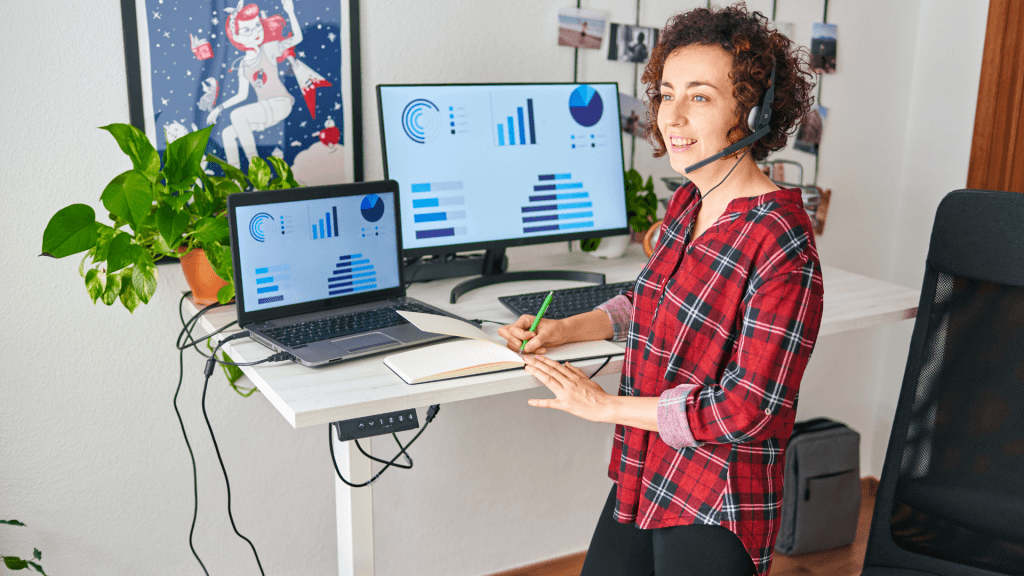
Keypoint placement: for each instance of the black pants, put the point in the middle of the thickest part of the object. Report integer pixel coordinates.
(696, 550)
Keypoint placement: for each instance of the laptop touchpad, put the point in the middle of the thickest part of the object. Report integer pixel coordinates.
(364, 342)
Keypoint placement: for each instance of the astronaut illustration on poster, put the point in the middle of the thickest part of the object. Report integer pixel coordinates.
(265, 73)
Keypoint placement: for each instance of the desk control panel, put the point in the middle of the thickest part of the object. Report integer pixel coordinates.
(376, 425)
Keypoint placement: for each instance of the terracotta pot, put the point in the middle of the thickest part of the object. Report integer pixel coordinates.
(201, 278)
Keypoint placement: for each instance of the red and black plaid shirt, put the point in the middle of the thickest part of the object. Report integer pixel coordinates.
(720, 329)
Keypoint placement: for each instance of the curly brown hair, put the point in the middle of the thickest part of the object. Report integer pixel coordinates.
(753, 45)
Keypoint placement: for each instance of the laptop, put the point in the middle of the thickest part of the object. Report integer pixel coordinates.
(318, 271)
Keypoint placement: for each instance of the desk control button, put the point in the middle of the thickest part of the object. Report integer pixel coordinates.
(371, 423)
(400, 418)
(391, 419)
(361, 425)
(412, 415)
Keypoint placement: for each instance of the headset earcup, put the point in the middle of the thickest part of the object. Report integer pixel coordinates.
(752, 117)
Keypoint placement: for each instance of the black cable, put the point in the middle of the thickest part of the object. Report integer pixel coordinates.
(401, 451)
(191, 455)
(606, 361)
(210, 365)
(431, 412)
(700, 197)
(481, 321)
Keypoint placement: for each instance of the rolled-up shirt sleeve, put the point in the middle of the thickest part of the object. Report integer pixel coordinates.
(619, 310)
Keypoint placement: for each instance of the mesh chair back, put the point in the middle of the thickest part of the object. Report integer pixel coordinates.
(951, 496)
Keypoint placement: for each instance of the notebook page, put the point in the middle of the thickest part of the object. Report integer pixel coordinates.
(437, 324)
(452, 359)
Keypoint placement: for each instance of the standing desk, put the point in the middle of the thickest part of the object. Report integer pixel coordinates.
(364, 386)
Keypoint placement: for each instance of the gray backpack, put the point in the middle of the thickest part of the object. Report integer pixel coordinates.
(821, 490)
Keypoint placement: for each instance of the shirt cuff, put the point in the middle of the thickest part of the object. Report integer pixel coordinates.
(619, 311)
(673, 427)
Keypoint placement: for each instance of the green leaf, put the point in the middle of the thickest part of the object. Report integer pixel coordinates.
(37, 554)
(160, 246)
(94, 284)
(284, 173)
(70, 231)
(129, 298)
(135, 144)
(226, 294)
(202, 201)
(219, 256)
(176, 200)
(171, 223)
(231, 172)
(12, 522)
(129, 197)
(122, 251)
(209, 230)
(182, 158)
(112, 290)
(144, 280)
(15, 563)
(259, 173)
(37, 567)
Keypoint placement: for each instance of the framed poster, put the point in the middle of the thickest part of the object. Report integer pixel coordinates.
(274, 77)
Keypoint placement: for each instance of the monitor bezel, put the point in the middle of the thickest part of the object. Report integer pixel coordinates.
(509, 242)
(269, 197)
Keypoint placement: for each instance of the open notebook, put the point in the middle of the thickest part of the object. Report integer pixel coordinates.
(475, 353)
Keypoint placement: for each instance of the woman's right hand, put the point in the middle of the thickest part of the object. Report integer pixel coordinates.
(212, 116)
(549, 333)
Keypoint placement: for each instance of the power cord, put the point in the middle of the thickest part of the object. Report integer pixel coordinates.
(431, 412)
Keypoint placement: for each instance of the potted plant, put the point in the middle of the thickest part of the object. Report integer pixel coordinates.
(159, 209)
(641, 213)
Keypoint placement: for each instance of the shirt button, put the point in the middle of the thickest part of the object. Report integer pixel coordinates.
(767, 411)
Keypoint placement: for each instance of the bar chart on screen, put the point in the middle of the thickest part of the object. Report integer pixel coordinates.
(513, 119)
(351, 273)
(272, 283)
(557, 203)
(439, 209)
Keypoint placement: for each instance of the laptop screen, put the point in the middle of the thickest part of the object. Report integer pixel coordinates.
(308, 250)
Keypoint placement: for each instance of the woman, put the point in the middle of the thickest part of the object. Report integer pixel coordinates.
(719, 326)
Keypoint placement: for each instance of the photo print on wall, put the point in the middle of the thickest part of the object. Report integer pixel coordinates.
(274, 77)
(632, 115)
(581, 28)
(823, 48)
(808, 136)
(627, 43)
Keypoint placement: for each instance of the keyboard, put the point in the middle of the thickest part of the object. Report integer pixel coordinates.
(343, 325)
(566, 302)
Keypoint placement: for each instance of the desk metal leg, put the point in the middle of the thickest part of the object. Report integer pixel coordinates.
(355, 512)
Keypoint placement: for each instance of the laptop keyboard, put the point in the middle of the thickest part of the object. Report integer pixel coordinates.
(336, 326)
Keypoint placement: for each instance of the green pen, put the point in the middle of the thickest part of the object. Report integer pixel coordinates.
(536, 320)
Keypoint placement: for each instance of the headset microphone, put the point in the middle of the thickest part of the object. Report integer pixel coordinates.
(757, 121)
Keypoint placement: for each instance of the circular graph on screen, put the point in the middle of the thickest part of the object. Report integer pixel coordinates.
(372, 208)
(421, 120)
(585, 105)
(256, 226)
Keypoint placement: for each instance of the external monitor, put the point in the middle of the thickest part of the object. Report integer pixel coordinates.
(488, 166)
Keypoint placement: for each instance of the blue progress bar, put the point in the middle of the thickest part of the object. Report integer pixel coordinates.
(545, 217)
(327, 216)
(322, 228)
(565, 186)
(566, 226)
(431, 217)
(421, 234)
(265, 280)
(563, 196)
(511, 133)
(334, 209)
(363, 281)
(269, 269)
(567, 206)
(501, 135)
(436, 186)
(350, 256)
(314, 232)
(554, 177)
(572, 205)
(266, 289)
(425, 203)
(270, 299)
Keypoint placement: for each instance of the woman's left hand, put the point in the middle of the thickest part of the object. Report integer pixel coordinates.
(574, 392)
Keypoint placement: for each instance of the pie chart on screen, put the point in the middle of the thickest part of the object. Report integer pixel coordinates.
(372, 208)
(585, 106)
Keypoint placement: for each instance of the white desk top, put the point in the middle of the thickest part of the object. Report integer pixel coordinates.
(361, 387)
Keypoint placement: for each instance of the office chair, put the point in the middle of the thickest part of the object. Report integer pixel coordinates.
(951, 495)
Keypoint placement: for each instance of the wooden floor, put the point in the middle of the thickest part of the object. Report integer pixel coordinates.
(845, 561)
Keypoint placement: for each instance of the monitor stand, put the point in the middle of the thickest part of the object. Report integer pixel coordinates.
(491, 268)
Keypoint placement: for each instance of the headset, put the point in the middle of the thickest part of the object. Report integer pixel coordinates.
(757, 120)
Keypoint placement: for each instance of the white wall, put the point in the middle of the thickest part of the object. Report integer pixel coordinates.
(92, 458)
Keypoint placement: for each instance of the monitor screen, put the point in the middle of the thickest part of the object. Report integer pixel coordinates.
(485, 166)
(309, 250)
